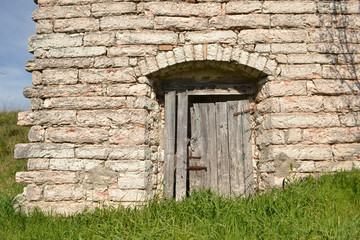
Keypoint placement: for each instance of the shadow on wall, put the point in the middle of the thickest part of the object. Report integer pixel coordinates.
(340, 37)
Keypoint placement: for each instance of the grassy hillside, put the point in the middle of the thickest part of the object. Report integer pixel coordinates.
(10, 134)
(326, 208)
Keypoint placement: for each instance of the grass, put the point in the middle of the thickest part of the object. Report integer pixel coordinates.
(10, 134)
(324, 208)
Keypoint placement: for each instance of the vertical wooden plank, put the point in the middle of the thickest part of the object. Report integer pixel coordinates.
(196, 178)
(247, 154)
(222, 148)
(208, 147)
(169, 145)
(235, 150)
(181, 146)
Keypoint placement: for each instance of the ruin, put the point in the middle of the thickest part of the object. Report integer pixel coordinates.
(137, 98)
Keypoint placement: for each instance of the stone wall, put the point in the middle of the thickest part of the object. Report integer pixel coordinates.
(97, 123)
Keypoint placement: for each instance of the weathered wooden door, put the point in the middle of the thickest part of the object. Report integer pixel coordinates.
(220, 147)
(207, 145)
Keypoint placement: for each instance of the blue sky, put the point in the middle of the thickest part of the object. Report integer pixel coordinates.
(15, 28)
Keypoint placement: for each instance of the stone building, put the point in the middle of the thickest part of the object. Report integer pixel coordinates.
(136, 98)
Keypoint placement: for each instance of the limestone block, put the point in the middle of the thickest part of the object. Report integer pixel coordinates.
(29, 118)
(76, 135)
(130, 180)
(348, 58)
(59, 76)
(229, 37)
(99, 39)
(49, 177)
(111, 117)
(244, 57)
(128, 165)
(126, 22)
(235, 55)
(199, 52)
(41, 64)
(267, 167)
(308, 71)
(132, 50)
(311, 58)
(127, 195)
(180, 23)
(240, 21)
(253, 36)
(151, 63)
(273, 137)
(61, 12)
(75, 2)
(74, 164)
(305, 120)
(62, 91)
(270, 67)
(44, 26)
(342, 103)
(299, 21)
(98, 194)
(350, 119)
(334, 48)
(289, 48)
(346, 151)
(306, 167)
(113, 153)
(183, 9)
(85, 103)
(296, 152)
(338, 7)
(112, 8)
(118, 75)
(36, 78)
(74, 25)
(161, 60)
(36, 103)
(63, 208)
(144, 102)
(147, 38)
(129, 135)
(63, 192)
(331, 135)
(341, 71)
(294, 7)
(333, 166)
(179, 54)
(128, 90)
(144, 68)
(44, 150)
(113, 62)
(50, 41)
(262, 48)
(284, 88)
(75, 52)
(38, 164)
(33, 192)
(293, 136)
(226, 56)
(335, 37)
(170, 58)
(243, 7)
(36, 134)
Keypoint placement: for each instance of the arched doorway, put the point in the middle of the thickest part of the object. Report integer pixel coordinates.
(207, 139)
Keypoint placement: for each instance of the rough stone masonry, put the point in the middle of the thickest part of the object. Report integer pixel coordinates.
(97, 120)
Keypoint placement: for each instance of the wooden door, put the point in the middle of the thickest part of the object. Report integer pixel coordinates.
(216, 151)
(220, 147)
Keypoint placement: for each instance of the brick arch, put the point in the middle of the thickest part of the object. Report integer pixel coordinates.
(208, 52)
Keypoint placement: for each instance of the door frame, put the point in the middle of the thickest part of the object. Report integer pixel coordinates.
(176, 138)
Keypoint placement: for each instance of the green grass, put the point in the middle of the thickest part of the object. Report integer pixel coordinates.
(325, 208)
(10, 134)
